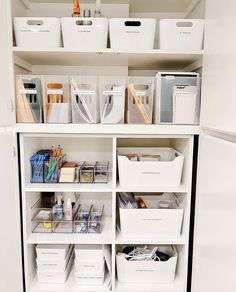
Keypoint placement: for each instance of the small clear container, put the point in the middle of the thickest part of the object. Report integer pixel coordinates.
(95, 220)
(140, 100)
(65, 225)
(86, 172)
(101, 172)
(53, 175)
(41, 220)
(81, 222)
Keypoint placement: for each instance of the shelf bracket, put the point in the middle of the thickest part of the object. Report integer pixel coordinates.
(22, 63)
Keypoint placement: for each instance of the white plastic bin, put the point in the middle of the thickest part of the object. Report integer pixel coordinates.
(56, 99)
(166, 172)
(84, 33)
(141, 272)
(140, 100)
(89, 279)
(92, 252)
(37, 32)
(132, 33)
(153, 221)
(112, 99)
(181, 34)
(91, 267)
(84, 99)
(52, 251)
(177, 98)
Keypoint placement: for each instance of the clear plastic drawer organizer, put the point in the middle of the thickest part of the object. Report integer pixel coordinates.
(85, 219)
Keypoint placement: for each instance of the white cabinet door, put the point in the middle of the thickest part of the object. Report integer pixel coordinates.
(214, 258)
(10, 239)
(6, 65)
(219, 71)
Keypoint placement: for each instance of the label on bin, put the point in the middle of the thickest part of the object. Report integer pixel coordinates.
(55, 91)
(84, 92)
(28, 91)
(141, 92)
(112, 92)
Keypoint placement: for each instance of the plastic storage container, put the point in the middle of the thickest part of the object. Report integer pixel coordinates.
(52, 251)
(84, 100)
(29, 100)
(101, 172)
(41, 221)
(140, 100)
(181, 34)
(56, 99)
(177, 98)
(37, 32)
(112, 99)
(166, 172)
(132, 33)
(141, 272)
(84, 33)
(166, 222)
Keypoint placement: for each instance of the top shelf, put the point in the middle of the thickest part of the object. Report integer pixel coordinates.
(135, 60)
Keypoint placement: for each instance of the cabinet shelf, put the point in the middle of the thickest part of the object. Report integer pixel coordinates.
(145, 59)
(74, 238)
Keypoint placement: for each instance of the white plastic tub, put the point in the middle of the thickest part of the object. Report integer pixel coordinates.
(181, 34)
(84, 33)
(154, 221)
(147, 271)
(132, 33)
(90, 266)
(52, 251)
(166, 172)
(37, 32)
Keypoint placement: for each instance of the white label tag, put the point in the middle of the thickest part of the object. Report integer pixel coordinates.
(55, 91)
(141, 92)
(28, 91)
(170, 77)
(84, 92)
(112, 92)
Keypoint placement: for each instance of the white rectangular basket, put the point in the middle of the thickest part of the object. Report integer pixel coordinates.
(166, 172)
(37, 32)
(84, 33)
(181, 34)
(132, 33)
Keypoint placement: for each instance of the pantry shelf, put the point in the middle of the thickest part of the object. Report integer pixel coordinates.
(176, 286)
(63, 187)
(151, 59)
(66, 238)
(108, 129)
(120, 239)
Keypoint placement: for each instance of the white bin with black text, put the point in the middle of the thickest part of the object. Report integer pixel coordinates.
(147, 272)
(153, 221)
(37, 32)
(166, 172)
(132, 33)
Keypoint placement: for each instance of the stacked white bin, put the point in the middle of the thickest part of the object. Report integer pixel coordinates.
(53, 262)
(89, 267)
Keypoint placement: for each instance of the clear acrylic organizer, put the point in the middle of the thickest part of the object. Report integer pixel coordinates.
(41, 220)
(101, 172)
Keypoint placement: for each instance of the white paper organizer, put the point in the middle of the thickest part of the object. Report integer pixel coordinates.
(166, 172)
(181, 34)
(37, 32)
(84, 33)
(84, 99)
(153, 221)
(132, 33)
(141, 272)
(177, 98)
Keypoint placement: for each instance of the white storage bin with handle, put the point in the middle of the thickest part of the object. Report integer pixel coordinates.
(84, 33)
(132, 33)
(141, 272)
(37, 32)
(162, 218)
(166, 172)
(181, 34)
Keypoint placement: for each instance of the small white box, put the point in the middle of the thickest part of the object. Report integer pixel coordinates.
(53, 265)
(92, 252)
(52, 251)
(84, 33)
(37, 32)
(89, 280)
(181, 34)
(153, 221)
(147, 271)
(54, 277)
(90, 267)
(132, 33)
(166, 172)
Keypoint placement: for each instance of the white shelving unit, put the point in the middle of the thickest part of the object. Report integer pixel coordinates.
(100, 142)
